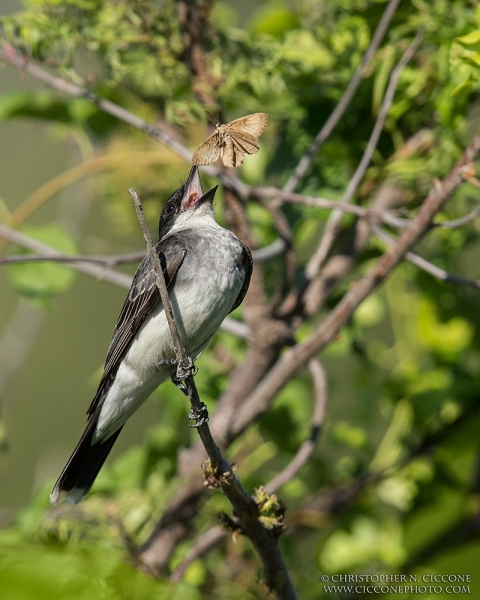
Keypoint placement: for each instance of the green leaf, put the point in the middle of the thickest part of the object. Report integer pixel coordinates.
(44, 105)
(471, 41)
(447, 339)
(40, 281)
(275, 21)
(36, 572)
(344, 433)
(368, 540)
(302, 47)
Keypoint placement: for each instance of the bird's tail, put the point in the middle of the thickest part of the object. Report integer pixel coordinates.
(83, 466)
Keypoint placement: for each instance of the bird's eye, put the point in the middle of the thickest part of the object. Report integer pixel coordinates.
(169, 208)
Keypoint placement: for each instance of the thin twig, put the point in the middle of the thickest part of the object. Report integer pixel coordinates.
(332, 226)
(427, 266)
(108, 261)
(266, 193)
(212, 536)
(220, 474)
(400, 223)
(389, 217)
(182, 358)
(270, 251)
(99, 273)
(462, 221)
(207, 541)
(345, 100)
(306, 449)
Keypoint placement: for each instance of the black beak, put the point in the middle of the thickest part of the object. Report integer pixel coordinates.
(208, 196)
(193, 195)
(193, 190)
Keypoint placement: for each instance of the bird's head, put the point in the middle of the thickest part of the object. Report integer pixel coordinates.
(187, 205)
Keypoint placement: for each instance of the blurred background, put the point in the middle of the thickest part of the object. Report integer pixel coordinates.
(394, 484)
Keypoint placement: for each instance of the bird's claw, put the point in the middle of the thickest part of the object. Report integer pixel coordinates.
(183, 371)
(199, 415)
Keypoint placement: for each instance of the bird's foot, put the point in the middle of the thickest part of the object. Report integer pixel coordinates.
(165, 361)
(199, 415)
(183, 372)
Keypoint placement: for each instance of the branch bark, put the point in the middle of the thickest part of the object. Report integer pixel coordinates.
(292, 360)
(332, 226)
(93, 270)
(345, 100)
(220, 473)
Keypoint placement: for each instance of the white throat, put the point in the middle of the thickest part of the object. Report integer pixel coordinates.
(203, 216)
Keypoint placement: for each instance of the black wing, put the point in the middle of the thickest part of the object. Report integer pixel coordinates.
(141, 299)
(247, 264)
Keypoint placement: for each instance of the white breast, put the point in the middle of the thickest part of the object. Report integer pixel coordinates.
(201, 298)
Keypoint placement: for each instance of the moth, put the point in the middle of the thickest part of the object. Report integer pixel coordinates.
(231, 141)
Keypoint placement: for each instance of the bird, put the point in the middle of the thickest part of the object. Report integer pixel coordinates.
(207, 271)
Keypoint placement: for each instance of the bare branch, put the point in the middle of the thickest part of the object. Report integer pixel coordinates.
(274, 249)
(267, 193)
(182, 358)
(211, 537)
(400, 223)
(100, 273)
(388, 217)
(306, 449)
(331, 228)
(462, 221)
(207, 541)
(108, 261)
(292, 360)
(345, 100)
(220, 474)
(427, 266)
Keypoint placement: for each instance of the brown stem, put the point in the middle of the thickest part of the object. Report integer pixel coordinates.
(220, 473)
(332, 227)
(345, 100)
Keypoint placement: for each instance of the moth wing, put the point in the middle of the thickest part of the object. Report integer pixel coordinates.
(244, 142)
(231, 155)
(208, 152)
(252, 124)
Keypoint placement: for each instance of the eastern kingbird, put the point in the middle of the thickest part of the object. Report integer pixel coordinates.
(207, 272)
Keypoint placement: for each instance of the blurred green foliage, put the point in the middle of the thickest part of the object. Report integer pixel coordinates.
(402, 427)
(40, 281)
